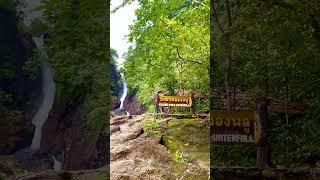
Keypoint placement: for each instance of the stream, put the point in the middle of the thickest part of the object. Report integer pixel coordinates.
(189, 138)
(188, 142)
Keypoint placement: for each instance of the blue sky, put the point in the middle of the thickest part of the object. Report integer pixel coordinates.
(119, 27)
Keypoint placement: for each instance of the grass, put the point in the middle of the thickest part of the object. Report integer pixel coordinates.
(152, 127)
(179, 157)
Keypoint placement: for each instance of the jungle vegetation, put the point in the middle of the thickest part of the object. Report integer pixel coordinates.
(170, 49)
(270, 48)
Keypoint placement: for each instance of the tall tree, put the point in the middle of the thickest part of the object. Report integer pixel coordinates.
(171, 48)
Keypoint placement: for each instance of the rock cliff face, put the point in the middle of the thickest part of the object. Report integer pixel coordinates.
(26, 92)
(63, 133)
(63, 136)
(28, 87)
(115, 102)
(15, 137)
(132, 105)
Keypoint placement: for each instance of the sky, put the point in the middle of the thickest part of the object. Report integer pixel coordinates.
(119, 27)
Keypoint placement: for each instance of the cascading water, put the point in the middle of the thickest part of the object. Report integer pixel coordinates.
(57, 165)
(48, 85)
(124, 90)
(48, 90)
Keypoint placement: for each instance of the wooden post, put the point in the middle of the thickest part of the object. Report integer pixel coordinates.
(263, 148)
(192, 109)
(156, 102)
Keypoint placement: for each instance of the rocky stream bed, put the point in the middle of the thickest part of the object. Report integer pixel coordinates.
(135, 154)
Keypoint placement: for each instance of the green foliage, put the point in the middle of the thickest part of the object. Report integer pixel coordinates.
(202, 106)
(274, 52)
(152, 127)
(8, 70)
(233, 155)
(298, 143)
(96, 104)
(3, 176)
(9, 4)
(178, 156)
(8, 32)
(33, 66)
(8, 114)
(171, 48)
(115, 84)
(78, 48)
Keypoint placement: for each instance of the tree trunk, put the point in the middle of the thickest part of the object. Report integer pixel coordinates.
(228, 56)
(263, 148)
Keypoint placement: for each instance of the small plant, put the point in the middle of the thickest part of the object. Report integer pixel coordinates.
(152, 127)
(9, 115)
(179, 157)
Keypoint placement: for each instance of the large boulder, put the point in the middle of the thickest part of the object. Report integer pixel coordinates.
(132, 106)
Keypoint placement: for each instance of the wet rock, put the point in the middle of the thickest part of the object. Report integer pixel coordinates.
(132, 105)
(63, 132)
(33, 161)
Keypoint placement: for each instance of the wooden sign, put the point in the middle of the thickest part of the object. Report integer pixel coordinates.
(229, 127)
(175, 101)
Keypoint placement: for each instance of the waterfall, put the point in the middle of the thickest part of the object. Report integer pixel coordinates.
(124, 90)
(57, 165)
(48, 86)
(48, 93)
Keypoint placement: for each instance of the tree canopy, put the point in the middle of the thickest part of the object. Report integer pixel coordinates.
(171, 48)
(78, 50)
